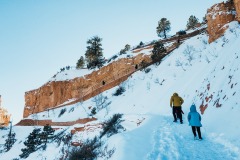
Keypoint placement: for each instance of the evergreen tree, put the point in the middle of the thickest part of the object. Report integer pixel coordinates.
(112, 126)
(32, 142)
(192, 22)
(93, 112)
(124, 51)
(80, 63)
(143, 65)
(141, 44)
(47, 134)
(94, 54)
(10, 140)
(158, 52)
(127, 47)
(230, 1)
(204, 20)
(163, 27)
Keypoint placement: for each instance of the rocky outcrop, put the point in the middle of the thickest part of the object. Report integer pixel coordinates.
(31, 122)
(237, 7)
(218, 16)
(59, 93)
(87, 128)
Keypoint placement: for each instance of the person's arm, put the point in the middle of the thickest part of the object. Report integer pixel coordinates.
(171, 101)
(199, 117)
(189, 117)
(181, 100)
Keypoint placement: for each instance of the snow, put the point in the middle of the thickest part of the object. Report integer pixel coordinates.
(69, 74)
(181, 145)
(198, 28)
(149, 131)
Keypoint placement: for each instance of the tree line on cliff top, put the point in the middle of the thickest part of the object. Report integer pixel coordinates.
(94, 54)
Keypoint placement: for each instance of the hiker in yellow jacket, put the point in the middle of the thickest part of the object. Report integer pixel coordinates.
(176, 104)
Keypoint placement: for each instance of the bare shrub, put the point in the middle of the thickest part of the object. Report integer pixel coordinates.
(189, 53)
(119, 91)
(180, 64)
(101, 101)
(91, 149)
(147, 70)
(112, 126)
(88, 151)
(207, 59)
(158, 82)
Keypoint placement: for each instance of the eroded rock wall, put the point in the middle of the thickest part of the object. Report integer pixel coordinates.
(218, 16)
(59, 93)
(31, 122)
(237, 7)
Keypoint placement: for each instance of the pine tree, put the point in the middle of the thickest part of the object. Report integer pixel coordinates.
(94, 54)
(10, 140)
(127, 47)
(163, 27)
(204, 20)
(141, 44)
(143, 65)
(158, 52)
(32, 142)
(231, 1)
(47, 134)
(80, 63)
(192, 22)
(93, 112)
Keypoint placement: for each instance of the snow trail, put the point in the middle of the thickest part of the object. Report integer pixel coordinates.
(173, 141)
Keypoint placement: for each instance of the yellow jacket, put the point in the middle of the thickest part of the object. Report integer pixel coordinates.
(176, 100)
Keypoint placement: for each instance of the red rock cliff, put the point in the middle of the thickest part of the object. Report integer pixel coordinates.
(237, 7)
(219, 15)
(57, 93)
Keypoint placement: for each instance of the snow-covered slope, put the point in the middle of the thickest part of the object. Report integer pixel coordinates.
(195, 70)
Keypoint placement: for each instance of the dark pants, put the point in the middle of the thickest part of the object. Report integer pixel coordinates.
(177, 113)
(194, 128)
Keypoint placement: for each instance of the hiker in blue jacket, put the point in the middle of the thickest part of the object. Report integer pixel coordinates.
(194, 120)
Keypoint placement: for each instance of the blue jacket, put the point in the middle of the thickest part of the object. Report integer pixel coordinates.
(194, 117)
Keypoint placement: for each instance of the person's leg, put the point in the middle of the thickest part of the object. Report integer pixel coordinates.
(194, 131)
(174, 114)
(199, 133)
(179, 113)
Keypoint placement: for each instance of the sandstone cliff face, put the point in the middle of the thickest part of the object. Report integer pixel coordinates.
(237, 7)
(31, 122)
(59, 93)
(219, 15)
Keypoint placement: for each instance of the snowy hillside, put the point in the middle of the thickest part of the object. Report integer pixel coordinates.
(196, 71)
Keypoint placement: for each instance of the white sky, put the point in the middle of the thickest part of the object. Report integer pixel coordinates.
(37, 38)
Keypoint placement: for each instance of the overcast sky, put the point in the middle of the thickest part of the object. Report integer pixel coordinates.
(39, 37)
